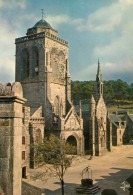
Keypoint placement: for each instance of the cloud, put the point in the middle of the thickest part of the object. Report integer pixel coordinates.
(58, 20)
(86, 73)
(110, 70)
(120, 67)
(1, 3)
(119, 47)
(12, 4)
(107, 18)
(7, 70)
(7, 48)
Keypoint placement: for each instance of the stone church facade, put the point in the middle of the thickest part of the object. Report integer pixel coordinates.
(97, 118)
(42, 68)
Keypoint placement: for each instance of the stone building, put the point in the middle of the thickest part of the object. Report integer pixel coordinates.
(97, 118)
(129, 126)
(42, 67)
(118, 130)
(105, 130)
(11, 127)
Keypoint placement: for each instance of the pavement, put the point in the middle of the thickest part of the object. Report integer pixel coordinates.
(108, 172)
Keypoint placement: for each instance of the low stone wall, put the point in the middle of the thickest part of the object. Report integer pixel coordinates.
(28, 189)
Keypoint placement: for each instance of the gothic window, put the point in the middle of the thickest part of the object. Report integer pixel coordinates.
(38, 136)
(47, 60)
(23, 155)
(23, 140)
(61, 108)
(25, 63)
(54, 60)
(56, 106)
(61, 65)
(35, 61)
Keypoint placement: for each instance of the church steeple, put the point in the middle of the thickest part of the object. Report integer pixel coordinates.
(99, 75)
(99, 82)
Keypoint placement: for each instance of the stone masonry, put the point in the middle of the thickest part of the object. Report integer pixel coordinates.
(11, 102)
(42, 67)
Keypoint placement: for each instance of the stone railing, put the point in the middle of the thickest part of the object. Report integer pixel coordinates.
(41, 35)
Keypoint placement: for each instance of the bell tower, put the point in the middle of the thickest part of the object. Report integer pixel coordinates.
(99, 83)
(42, 67)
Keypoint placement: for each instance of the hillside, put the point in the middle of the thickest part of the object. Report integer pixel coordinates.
(118, 95)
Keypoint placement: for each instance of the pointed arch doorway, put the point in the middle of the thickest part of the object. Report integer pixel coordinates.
(71, 140)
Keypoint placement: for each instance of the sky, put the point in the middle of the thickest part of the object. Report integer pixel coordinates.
(95, 29)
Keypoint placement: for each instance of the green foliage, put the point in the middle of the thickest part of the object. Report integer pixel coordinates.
(113, 90)
(53, 151)
(82, 89)
(70, 149)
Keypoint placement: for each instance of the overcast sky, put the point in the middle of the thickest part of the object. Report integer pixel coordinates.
(94, 29)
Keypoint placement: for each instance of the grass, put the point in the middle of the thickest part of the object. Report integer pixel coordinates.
(120, 105)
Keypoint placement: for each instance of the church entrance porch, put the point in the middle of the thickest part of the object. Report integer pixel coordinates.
(73, 143)
(74, 138)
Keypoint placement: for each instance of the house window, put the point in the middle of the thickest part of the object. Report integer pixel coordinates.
(23, 155)
(120, 132)
(23, 140)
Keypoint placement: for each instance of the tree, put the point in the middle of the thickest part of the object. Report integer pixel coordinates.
(53, 153)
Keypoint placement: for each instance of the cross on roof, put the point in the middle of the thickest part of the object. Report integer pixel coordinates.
(42, 13)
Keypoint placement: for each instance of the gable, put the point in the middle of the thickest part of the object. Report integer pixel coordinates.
(101, 110)
(72, 120)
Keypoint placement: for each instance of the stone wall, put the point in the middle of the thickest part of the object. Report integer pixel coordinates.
(11, 101)
(26, 138)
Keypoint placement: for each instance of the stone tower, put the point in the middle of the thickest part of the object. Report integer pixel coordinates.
(99, 82)
(97, 118)
(42, 67)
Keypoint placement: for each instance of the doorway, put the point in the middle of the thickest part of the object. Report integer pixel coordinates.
(23, 172)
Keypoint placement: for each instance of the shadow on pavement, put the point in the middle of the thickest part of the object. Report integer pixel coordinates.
(28, 189)
(114, 180)
(109, 192)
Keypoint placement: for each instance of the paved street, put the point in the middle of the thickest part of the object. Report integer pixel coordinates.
(108, 171)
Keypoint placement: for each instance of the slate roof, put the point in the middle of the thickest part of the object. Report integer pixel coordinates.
(131, 116)
(42, 23)
(85, 106)
(121, 111)
(114, 118)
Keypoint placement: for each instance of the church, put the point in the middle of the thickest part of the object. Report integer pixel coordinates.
(43, 82)
(42, 68)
